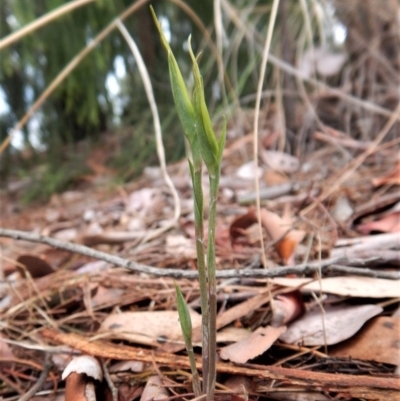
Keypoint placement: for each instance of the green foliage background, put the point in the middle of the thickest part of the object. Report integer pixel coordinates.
(81, 107)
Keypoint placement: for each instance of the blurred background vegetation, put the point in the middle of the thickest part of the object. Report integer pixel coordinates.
(98, 119)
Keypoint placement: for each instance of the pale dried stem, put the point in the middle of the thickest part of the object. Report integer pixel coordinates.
(256, 122)
(157, 129)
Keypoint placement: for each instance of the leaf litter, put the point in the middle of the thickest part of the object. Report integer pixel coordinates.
(115, 315)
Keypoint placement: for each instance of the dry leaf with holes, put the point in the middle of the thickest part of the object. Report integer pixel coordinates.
(335, 324)
(256, 344)
(81, 375)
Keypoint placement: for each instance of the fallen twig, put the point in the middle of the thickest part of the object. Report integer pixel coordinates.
(40, 381)
(328, 265)
(358, 386)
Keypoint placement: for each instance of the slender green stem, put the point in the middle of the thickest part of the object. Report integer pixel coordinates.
(212, 286)
(186, 326)
(195, 374)
(201, 263)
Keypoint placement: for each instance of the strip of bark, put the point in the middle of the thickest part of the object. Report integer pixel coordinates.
(367, 387)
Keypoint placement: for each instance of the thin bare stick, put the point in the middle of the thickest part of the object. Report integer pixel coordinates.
(157, 129)
(256, 122)
(42, 21)
(330, 265)
(37, 386)
(111, 386)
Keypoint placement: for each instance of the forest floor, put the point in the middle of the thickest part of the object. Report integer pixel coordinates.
(331, 233)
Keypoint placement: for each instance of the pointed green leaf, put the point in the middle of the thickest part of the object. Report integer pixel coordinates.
(182, 101)
(205, 132)
(184, 316)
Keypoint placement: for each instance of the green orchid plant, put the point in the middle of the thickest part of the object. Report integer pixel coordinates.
(205, 147)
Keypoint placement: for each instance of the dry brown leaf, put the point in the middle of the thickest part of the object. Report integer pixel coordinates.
(124, 366)
(112, 237)
(148, 328)
(391, 178)
(287, 307)
(389, 223)
(5, 350)
(232, 335)
(36, 267)
(105, 295)
(321, 60)
(378, 341)
(129, 393)
(336, 324)
(280, 161)
(247, 171)
(145, 201)
(347, 286)
(242, 385)
(256, 344)
(241, 223)
(280, 230)
(154, 390)
(180, 245)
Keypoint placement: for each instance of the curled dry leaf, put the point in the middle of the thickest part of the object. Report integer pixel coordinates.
(287, 307)
(336, 324)
(36, 267)
(389, 223)
(279, 229)
(154, 390)
(256, 344)
(80, 375)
